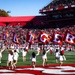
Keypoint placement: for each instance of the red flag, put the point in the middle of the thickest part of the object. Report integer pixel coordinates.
(58, 38)
(15, 38)
(5, 35)
(70, 38)
(30, 37)
(44, 38)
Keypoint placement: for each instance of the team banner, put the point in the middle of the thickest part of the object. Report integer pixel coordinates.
(15, 38)
(44, 38)
(57, 38)
(5, 35)
(30, 37)
(70, 38)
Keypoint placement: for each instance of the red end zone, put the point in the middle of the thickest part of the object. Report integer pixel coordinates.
(53, 69)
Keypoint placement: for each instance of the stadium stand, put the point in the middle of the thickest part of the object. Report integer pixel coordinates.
(58, 19)
(59, 4)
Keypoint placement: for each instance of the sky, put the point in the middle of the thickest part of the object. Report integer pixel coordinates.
(23, 7)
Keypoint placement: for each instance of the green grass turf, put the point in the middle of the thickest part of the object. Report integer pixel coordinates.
(70, 56)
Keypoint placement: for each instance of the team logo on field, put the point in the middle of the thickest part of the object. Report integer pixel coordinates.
(38, 70)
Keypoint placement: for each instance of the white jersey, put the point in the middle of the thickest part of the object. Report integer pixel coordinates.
(45, 55)
(24, 53)
(57, 54)
(33, 59)
(61, 58)
(16, 56)
(10, 57)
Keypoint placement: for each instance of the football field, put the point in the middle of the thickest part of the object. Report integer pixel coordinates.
(53, 68)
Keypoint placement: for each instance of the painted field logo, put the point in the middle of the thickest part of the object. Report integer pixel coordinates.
(60, 70)
(64, 70)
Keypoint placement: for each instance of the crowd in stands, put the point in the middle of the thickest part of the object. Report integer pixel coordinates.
(58, 3)
(22, 33)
